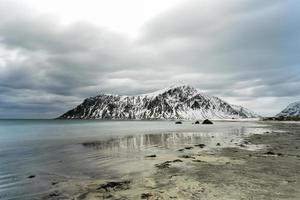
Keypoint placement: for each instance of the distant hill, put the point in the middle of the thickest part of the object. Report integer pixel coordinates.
(292, 110)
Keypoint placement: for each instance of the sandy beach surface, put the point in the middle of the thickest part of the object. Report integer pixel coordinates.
(86, 160)
(263, 164)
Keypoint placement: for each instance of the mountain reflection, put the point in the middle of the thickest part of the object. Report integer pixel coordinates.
(170, 140)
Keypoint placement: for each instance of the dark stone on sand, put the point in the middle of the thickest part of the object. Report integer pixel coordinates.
(218, 144)
(163, 165)
(31, 176)
(187, 156)
(167, 164)
(92, 143)
(197, 161)
(177, 160)
(151, 156)
(115, 185)
(200, 145)
(54, 194)
(197, 122)
(146, 196)
(188, 147)
(54, 183)
(207, 121)
(279, 154)
(180, 149)
(270, 153)
(178, 122)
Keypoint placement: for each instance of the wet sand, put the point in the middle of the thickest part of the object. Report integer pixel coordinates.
(261, 166)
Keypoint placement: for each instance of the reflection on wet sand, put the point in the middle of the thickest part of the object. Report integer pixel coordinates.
(173, 140)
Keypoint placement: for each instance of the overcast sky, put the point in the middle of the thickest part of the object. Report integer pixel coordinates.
(55, 53)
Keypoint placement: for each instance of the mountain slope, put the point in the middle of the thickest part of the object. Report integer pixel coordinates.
(292, 110)
(177, 102)
(245, 111)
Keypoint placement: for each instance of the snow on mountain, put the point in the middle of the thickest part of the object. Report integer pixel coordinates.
(245, 111)
(292, 110)
(176, 102)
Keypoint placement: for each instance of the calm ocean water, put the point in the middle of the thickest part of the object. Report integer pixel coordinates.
(57, 149)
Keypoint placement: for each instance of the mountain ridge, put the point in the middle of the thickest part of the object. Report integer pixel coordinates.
(175, 102)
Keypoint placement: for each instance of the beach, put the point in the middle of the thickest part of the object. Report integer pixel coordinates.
(157, 160)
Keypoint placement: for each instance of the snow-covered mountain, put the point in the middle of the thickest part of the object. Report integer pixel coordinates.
(177, 102)
(244, 111)
(292, 110)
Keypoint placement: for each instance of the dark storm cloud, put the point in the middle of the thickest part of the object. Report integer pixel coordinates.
(242, 50)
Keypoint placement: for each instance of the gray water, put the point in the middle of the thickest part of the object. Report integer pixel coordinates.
(60, 149)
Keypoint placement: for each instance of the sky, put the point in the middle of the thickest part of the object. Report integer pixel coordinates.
(55, 53)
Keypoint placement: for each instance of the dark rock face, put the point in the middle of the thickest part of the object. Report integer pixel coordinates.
(197, 122)
(207, 121)
(179, 122)
(181, 102)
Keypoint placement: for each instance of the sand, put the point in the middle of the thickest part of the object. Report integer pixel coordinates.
(263, 166)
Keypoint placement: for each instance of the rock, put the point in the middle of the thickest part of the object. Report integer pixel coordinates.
(31, 176)
(115, 185)
(92, 144)
(151, 156)
(178, 122)
(207, 121)
(187, 156)
(218, 144)
(270, 153)
(146, 196)
(163, 165)
(54, 194)
(188, 147)
(197, 122)
(180, 149)
(177, 160)
(200, 145)
(197, 161)
(54, 183)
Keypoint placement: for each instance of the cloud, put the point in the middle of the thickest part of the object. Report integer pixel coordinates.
(241, 50)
